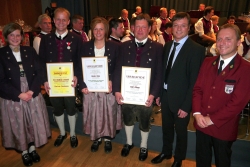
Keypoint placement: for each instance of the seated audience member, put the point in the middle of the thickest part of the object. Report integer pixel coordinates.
(215, 21)
(44, 22)
(171, 14)
(167, 34)
(201, 7)
(231, 19)
(137, 11)
(116, 30)
(204, 27)
(162, 20)
(125, 20)
(78, 23)
(131, 35)
(153, 33)
(246, 44)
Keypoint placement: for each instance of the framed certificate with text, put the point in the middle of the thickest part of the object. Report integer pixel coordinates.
(135, 84)
(60, 76)
(95, 73)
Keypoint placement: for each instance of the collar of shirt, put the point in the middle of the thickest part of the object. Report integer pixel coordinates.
(181, 42)
(226, 61)
(131, 33)
(248, 42)
(80, 32)
(115, 38)
(62, 35)
(143, 41)
(42, 32)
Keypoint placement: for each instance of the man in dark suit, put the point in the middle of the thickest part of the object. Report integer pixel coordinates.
(181, 63)
(220, 93)
(62, 46)
(139, 52)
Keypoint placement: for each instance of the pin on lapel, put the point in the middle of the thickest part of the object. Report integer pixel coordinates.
(223, 73)
(149, 59)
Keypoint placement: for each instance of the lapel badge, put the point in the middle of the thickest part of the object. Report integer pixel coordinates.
(214, 63)
(223, 73)
(232, 66)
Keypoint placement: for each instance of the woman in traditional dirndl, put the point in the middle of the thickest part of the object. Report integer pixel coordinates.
(102, 116)
(24, 117)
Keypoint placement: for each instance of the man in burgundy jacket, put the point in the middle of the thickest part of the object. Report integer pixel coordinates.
(221, 91)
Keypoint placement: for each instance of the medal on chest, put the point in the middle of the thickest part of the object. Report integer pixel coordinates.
(68, 45)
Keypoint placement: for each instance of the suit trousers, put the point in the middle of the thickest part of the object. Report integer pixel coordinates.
(172, 124)
(204, 145)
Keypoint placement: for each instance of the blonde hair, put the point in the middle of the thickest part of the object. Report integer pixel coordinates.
(60, 10)
(214, 17)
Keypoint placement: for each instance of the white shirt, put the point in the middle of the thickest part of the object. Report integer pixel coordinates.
(177, 50)
(62, 35)
(99, 52)
(36, 42)
(199, 29)
(247, 56)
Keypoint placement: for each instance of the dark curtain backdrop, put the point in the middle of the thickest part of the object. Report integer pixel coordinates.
(92, 8)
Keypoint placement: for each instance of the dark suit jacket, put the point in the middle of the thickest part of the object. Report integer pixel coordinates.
(183, 75)
(10, 72)
(111, 51)
(222, 96)
(151, 57)
(48, 51)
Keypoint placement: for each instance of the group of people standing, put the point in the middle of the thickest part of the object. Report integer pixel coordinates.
(180, 81)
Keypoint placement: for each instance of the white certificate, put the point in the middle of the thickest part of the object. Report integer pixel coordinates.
(60, 76)
(95, 73)
(135, 85)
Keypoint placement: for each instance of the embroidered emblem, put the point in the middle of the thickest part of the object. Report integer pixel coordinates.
(229, 89)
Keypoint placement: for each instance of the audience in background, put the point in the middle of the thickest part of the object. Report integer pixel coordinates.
(231, 19)
(167, 34)
(215, 21)
(116, 29)
(204, 27)
(153, 33)
(138, 11)
(78, 23)
(162, 20)
(201, 7)
(44, 22)
(125, 20)
(130, 36)
(171, 14)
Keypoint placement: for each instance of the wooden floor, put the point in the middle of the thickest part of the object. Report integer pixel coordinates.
(65, 156)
